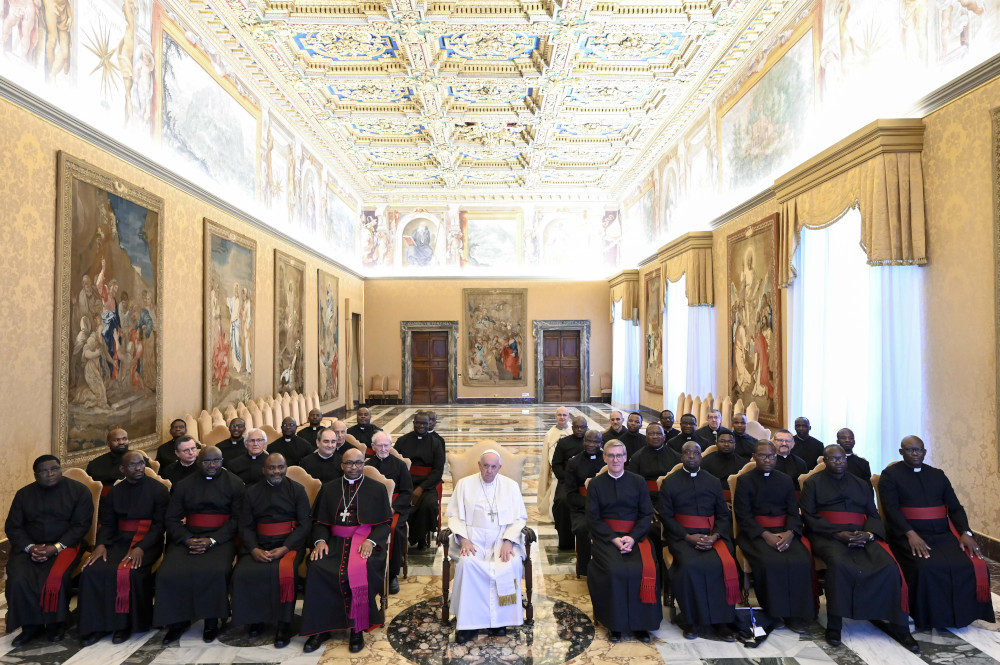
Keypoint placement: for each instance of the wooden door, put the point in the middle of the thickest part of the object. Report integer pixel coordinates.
(561, 359)
(429, 379)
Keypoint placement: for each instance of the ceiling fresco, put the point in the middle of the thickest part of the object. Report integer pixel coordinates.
(458, 99)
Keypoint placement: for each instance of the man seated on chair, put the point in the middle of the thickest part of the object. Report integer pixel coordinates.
(697, 528)
(186, 451)
(787, 462)
(432, 420)
(290, 445)
(46, 525)
(350, 532)
(310, 433)
(274, 527)
(202, 520)
(546, 479)
(581, 468)
(250, 465)
(426, 467)
(323, 463)
(856, 464)
(234, 445)
(653, 462)
(929, 533)
(116, 586)
(623, 575)
(770, 536)
(807, 447)
(633, 439)
(745, 444)
(710, 432)
(395, 470)
(107, 468)
(567, 448)
(486, 514)
(863, 580)
(165, 452)
(364, 431)
(724, 462)
(667, 423)
(688, 426)
(617, 427)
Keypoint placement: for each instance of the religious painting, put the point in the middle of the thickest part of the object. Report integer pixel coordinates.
(206, 118)
(419, 242)
(230, 313)
(341, 222)
(289, 323)
(755, 319)
(329, 336)
(611, 237)
(109, 269)
(764, 124)
(494, 322)
(492, 238)
(653, 326)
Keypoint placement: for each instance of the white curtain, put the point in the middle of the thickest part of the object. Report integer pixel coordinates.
(855, 343)
(688, 346)
(626, 361)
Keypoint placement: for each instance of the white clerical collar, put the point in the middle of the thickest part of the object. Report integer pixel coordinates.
(767, 474)
(254, 456)
(315, 429)
(185, 465)
(419, 437)
(917, 469)
(351, 481)
(618, 476)
(430, 431)
(694, 474)
(593, 457)
(209, 477)
(325, 456)
(660, 448)
(849, 454)
(288, 439)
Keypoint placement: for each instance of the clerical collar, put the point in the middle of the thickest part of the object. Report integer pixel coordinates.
(209, 477)
(254, 456)
(351, 481)
(694, 474)
(325, 456)
(849, 454)
(660, 448)
(185, 465)
(782, 456)
(419, 437)
(288, 439)
(917, 469)
(618, 476)
(593, 457)
(767, 474)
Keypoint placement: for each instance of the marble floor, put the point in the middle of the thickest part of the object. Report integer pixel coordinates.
(562, 631)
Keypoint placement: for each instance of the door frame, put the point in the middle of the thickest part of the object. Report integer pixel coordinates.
(538, 328)
(406, 329)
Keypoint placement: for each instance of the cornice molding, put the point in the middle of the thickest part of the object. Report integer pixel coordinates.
(623, 277)
(685, 243)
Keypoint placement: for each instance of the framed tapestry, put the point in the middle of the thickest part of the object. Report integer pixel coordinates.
(653, 301)
(494, 322)
(289, 323)
(230, 312)
(329, 337)
(755, 319)
(109, 271)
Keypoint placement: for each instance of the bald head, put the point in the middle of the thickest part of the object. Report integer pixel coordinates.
(275, 468)
(210, 461)
(352, 463)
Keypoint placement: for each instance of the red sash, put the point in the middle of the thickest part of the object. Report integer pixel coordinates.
(286, 567)
(727, 495)
(653, 487)
(778, 522)
(53, 583)
(582, 489)
(420, 470)
(105, 489)
(369, 451)
(357, 572)
(392, 527)
(843, 518)
(206, 521)
(978, 565)
(122, 595)
(729, 573)
(647, 588)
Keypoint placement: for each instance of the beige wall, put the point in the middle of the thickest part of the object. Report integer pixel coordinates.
(27, 233)
(389, 301)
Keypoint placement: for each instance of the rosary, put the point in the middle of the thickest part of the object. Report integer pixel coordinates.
(344, 513)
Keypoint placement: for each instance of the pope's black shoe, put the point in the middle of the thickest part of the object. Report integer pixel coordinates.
(498, 632)
(211, 630)
(463, 636)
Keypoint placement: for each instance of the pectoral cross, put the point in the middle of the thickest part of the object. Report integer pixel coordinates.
(493, 515)
(343, 515)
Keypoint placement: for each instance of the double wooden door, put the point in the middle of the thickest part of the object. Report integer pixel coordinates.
(429, 373)
(561, 366)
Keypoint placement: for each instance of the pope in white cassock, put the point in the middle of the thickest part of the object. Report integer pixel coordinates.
(486, 514)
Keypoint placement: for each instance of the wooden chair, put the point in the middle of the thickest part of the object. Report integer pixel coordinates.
(390, 487)
(376, 393)
(312, 487)
(95, 487)
(218, 434)
(606, 388)
(819, 563)
(753, 411)
(512, 466)
(586, 484)
(679, 409)
(668, 560)
(712, 449)
(153, 464)
(204, 425)
(878, 499)
(741, 560)
(392, 391)
(758, 431)
(271, 433)
(192, 426)
(217, 418)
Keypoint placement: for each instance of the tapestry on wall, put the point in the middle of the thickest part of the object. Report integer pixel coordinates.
(653, 301)
(755, 319)
(230, 312)
(494, 321)
(289, 323)
(109, 254)
(329, 349)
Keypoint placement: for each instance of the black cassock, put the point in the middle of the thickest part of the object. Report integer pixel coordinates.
(745, 444)
(165, 454)
(634, 441)
(426, 457)
(293, 448)
(614, 578)
(861, 582)
(323, 469)
(256, 585)
(579, 469)
(566, 449)
(395, 470)
(809, 449)
(722, 465)
(231, 450)
(196, 586)
(860, 467)
(250, 469)
(146, 499)
(943, 587)
(63, 514)
(677, 442)
(328, 592)
(177, 472)
(792, 466)
(364, 433)
(652, 464)
(309, 435)
(696, 575)
(781, 580)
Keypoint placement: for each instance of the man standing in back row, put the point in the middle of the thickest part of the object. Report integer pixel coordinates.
(426, 468)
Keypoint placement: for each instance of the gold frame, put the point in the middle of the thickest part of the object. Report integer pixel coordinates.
(652, 277)
(520, 295)
(214, 229)
(995, 151)
(69, 169)
(289, 262)
(320, 276)
(507, 216)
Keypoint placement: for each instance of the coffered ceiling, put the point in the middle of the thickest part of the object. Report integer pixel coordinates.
(461, 99)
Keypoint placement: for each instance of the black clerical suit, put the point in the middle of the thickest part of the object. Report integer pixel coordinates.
(309, 434)
(322, 468)
(567, 448)
(709, 435)
(165, 454)
(177, 472)
(745, 444)
(792, 466)
(364, 433)
(578, 470)
(249, 468)
(231, 449)
(722, 465)
(677, 442)
(810, 449)
(427, 459)
(395, 470)
(293, 448)
(652, 464)
(634, 442)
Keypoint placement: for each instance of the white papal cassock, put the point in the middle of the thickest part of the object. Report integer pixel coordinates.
(482, 580)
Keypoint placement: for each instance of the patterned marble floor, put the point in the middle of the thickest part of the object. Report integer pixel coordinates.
(563, 630)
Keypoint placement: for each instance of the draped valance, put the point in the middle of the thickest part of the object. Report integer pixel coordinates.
(876, 169)
(691, 255)
(625, 287)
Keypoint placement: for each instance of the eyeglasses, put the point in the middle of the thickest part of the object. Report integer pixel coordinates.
(358, 463)
(135, 465)
(616, 455)
(768, 456)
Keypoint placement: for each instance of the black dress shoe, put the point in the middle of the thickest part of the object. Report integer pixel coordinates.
(903, 636)
(174, 632)
(28, 633)
(463, 636)
(394, 584)
(357, 642)
(253, 630)
(800, 626)
(498, 632)
(725, 633)
(315, 642)
(93, 638)
(614, 636)
(121, 636)
(833, 637)
(641, 635)
(56, 631)
(211, 630)
(691, 633)
(282, 636)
